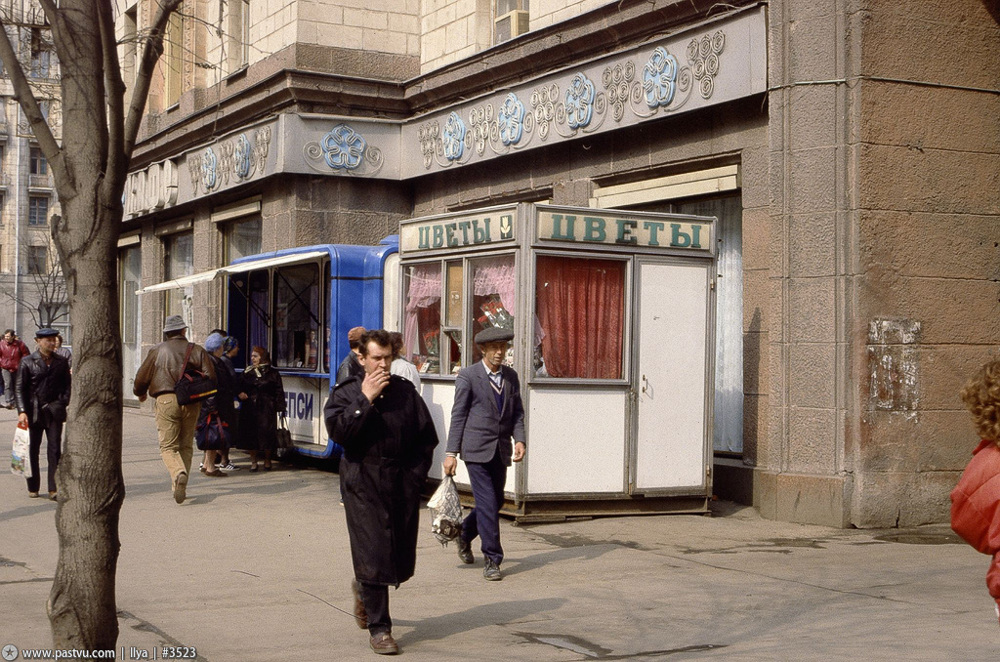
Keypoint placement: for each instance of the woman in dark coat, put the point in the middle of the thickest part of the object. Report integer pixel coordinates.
(388, 438)
(213, 432)
(262, 398)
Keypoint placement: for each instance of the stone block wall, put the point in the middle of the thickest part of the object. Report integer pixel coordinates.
(453, 29)
(546, 12)
(884, 169)
(928, 222)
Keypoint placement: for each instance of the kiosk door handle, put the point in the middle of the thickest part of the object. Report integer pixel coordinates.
(645, 384)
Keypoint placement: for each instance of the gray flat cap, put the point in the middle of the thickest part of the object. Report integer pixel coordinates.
(493, 334)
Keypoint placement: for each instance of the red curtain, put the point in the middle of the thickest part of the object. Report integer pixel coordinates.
(580, 305)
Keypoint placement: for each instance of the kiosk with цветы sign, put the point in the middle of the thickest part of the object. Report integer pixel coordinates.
(613, 320)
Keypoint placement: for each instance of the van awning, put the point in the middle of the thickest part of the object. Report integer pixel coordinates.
(249, 265)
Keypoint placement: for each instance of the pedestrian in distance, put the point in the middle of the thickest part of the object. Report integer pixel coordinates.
(486, 415)
(262, 398)
(63, 351)
(230, 348)
(400, 366)
(212, 432)
(12, 350)
(389, 439)
(175, 424)
(42, 389)
(975, 501)
(350, 366)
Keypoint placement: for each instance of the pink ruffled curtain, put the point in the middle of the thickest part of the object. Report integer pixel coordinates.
(495, 275)
(424, 290)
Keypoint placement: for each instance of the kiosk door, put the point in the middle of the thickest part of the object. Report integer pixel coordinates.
(672, 375)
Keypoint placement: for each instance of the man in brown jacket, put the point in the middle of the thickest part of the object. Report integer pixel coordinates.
(174, 423)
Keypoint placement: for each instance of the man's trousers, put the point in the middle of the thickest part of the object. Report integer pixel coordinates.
(488, 480)
(53, 437)
(175, 427)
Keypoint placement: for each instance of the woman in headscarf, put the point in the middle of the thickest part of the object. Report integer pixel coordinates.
(262, 398)
(214, 430)
(230, 348)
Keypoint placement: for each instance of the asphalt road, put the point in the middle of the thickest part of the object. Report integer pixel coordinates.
(257, 567)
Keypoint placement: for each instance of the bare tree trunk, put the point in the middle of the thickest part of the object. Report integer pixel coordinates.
(89, 168)
(81, 605)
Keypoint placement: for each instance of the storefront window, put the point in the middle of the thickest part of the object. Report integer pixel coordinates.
(580, 318)
(242, 239)
(493, 299)
(179, 249)
(453, 328)
(422, 324)
(296, 317)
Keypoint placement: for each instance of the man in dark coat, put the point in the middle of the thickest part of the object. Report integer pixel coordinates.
(388, 438)
(487, 413)
(42, 395)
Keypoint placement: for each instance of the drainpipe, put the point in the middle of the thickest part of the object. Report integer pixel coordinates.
(17, 234)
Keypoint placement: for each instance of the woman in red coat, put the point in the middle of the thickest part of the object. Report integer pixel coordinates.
(975, 501)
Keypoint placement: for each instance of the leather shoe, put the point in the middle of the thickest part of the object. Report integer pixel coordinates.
(180, 487)
(491, 572)
(383, 643)
(360, 615)
(465, 551)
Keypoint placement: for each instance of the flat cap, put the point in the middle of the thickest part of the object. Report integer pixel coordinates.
(46, 333)
(494, 334)
(174, 323)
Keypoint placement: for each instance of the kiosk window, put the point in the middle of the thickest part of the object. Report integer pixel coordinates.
(422, 325)
(296, 317)
(580, 311)
(492, 298)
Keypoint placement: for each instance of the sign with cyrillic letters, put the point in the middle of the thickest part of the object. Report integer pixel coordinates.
(458, 231)
(624, 230)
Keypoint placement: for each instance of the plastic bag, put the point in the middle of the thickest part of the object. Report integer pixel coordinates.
(20, 464)
(446, 511)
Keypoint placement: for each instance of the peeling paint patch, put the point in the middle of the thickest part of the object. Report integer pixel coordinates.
(893, 364)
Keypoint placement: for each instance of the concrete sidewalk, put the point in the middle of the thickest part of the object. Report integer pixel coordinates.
(257, 566)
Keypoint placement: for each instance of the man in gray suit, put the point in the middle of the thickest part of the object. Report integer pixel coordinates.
(487, 413)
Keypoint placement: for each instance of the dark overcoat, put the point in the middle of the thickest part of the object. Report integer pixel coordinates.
(219, 404)
(388, 450)
(259, 412)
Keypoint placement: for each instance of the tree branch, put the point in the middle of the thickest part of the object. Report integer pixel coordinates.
(150, 55)
(29, 104)
(115, 89)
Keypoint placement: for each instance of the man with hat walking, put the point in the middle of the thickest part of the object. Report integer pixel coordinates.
(175, 423)
(42, 394)
(487, 413)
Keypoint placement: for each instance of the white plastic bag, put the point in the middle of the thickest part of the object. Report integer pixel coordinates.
(20, 464)
(446, 511)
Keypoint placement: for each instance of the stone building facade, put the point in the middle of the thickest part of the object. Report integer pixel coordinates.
(850, 150)
(32, 289)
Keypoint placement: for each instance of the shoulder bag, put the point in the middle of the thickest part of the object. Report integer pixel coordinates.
(194, 385)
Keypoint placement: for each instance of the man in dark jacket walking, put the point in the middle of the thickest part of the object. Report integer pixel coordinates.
(388, 438)
(42, 393)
